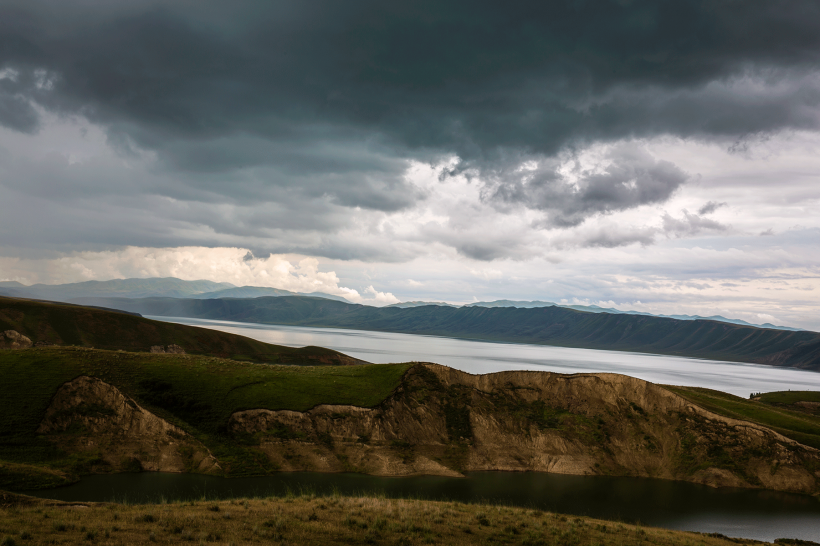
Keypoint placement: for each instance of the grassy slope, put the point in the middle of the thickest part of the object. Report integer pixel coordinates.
(195, 392)
(791, 424)
(545, 325)
(789, 397)
(64, 324)
(307, 519)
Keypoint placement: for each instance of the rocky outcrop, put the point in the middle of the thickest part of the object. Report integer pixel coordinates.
(11, 339)
(443, 421)
(170, 349)
(95, 421)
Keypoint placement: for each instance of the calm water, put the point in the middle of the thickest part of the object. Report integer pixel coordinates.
(762, 515)
(482, 357)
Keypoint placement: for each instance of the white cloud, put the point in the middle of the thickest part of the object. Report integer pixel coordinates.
(385, 298)
(234, 265)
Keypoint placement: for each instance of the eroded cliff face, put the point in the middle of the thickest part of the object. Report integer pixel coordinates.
(443, 421)
(96, 422)
(11, 339)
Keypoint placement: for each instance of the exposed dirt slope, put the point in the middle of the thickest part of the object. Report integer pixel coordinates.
(443, 421)
(94, 420)
(11, 339)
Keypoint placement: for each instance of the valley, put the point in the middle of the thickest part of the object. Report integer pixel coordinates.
(76, 410)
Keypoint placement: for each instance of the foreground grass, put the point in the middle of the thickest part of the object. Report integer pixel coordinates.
(197, 393)
(309, 520)
(798, 426)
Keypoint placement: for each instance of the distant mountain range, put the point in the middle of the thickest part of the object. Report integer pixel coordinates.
(169, 287)
(550, 325)
(409, 304)
(588, 308)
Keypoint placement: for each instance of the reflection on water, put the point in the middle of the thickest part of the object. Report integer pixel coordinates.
(747, 513)
(482, 357)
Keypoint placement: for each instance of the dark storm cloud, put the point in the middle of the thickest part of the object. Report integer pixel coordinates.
(630, 178)
(287, 101)
(16, 110)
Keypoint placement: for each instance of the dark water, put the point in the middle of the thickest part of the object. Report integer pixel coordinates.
(762, 515)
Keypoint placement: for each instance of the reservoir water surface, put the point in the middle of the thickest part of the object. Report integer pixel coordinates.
(479, 357)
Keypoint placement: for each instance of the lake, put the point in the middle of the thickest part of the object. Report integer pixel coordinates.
(479, 357)
(746, 513)
(761, 515)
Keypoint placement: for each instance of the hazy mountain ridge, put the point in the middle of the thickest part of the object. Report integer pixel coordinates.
(541, 325)
(125, 288)
(263, 291)
(409, 304)
(521, 304)
(598, 309)
(170, 287)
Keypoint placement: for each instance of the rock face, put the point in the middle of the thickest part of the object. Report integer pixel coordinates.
(11, 339)
(95, 420)
(442, 421)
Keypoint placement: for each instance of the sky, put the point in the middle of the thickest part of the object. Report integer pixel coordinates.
(640, 154)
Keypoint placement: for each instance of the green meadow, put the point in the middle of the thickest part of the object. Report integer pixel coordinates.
(196, 393)
(798, 426)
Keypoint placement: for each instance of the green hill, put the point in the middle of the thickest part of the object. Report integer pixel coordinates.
(780, 411)
(64, 324)
(196, 393)
(68, 411)
(543, 325)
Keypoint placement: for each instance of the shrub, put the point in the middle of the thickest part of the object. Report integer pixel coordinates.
(482, 520)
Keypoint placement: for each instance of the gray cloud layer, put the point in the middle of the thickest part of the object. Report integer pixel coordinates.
(316, 107)
(630, 178)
